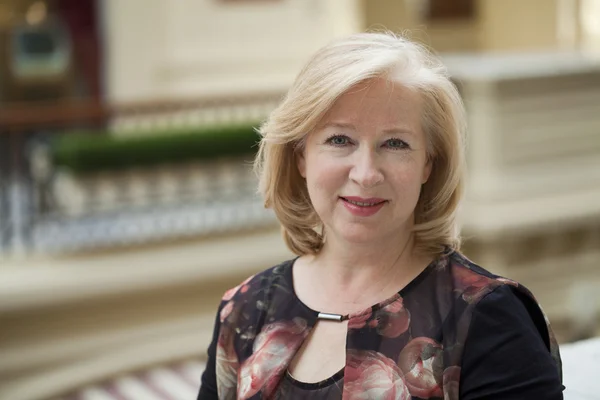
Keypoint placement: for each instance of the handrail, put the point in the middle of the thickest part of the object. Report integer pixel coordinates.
(21, 117)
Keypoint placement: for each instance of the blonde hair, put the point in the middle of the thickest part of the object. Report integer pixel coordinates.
(332, 71)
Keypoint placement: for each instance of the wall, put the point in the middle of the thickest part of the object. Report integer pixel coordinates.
(172, 49)
(511, 25)
(405, 16)
(518, 24)
(590, 25)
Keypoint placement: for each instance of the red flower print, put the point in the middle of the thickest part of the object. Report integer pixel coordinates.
(451, 379)
(395, 306)
(472, 285)
(392, 320)
(227, 365)
(421, 363)
(371, 375)
(273, 349)
(358, 321)
(225, 311)
(242, 287)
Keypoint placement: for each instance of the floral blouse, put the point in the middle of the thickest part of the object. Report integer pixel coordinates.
(455, 332)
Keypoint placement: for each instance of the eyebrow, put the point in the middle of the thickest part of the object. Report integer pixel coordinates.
(337, 125)
(399, 131)
(350, 125)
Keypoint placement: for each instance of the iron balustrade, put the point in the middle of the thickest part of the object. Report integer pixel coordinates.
(45, 208)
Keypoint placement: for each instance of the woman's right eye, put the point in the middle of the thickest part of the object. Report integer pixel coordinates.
(338, 140)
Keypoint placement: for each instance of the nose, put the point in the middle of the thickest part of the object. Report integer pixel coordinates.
(365, 170)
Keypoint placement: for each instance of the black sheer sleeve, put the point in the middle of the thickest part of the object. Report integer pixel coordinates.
(506, 354)
(208, 385)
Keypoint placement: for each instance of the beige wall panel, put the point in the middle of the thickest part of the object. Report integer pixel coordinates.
(203, 47)
(405, 16)
(518, 24)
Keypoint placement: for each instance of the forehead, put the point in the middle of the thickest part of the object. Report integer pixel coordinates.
(377, 102)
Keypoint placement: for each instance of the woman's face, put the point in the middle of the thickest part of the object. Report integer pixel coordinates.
(365, 162)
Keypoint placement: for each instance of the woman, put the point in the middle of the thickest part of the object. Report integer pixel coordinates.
(362, 163)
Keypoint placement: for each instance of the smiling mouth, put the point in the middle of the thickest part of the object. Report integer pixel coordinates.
(363, 204)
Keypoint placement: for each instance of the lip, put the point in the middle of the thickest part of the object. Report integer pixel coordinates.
(363, 211)
(363, 200)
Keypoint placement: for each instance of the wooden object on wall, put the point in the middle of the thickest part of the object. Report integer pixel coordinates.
(450, 9)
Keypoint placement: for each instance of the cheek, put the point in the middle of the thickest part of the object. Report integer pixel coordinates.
(405, 183)
(325, 175)
(407, 179)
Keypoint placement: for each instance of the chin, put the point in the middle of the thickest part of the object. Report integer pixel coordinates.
(360, 234)
(364, 233)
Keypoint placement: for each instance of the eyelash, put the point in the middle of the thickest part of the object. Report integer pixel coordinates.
(403, 144)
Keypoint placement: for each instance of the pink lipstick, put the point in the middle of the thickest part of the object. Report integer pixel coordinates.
(363, 207)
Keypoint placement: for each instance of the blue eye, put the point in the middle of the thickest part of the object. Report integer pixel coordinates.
(338, 140)
(396, 144)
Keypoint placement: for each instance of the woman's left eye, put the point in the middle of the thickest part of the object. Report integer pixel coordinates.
(396, 144)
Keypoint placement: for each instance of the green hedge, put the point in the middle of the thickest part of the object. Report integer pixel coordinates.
(88, 152)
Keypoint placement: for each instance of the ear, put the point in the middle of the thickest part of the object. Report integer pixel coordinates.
(301, 163)
(427, 170)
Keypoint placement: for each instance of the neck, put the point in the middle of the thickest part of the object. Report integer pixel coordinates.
(352, 267)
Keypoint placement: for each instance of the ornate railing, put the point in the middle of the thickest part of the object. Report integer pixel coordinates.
(45, 206)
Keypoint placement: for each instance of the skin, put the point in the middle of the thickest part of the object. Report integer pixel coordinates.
(370, 144)
(378, 149)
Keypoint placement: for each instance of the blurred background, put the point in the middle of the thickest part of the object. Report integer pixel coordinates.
(127, 201)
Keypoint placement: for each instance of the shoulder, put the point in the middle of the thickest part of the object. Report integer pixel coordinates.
(501, 311)
(255, 284)
(483, 292)
(243, 306)
(471, 288)
(510, 351)
(260, 305)
(473, 282)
